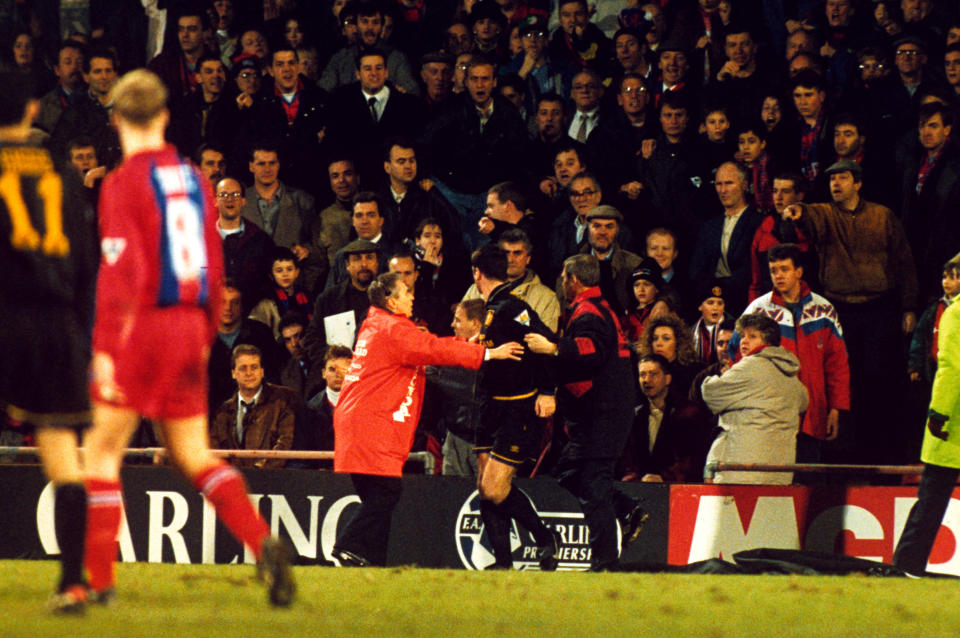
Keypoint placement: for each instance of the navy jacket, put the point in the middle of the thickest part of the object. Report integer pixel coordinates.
(596, 379)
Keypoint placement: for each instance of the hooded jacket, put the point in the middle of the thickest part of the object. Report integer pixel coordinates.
(758, 403)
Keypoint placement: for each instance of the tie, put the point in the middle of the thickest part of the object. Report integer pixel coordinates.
(372, 102)
(582, 131)
(244, 419)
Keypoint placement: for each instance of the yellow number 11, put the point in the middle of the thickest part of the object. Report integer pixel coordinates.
(24, 236)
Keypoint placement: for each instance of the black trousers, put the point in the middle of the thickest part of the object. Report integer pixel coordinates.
(591, 481)
(875, 348)
(920, 532)
(367, 533)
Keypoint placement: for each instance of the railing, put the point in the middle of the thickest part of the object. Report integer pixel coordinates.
(711, 469)
(428, 461)
(159, 453)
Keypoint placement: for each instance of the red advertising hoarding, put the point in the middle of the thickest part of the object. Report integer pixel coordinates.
(716, 521)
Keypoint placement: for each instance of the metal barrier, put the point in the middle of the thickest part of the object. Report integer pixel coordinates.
(711, 469)
(158, 454)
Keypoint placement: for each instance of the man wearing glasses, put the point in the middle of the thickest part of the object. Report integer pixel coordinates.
(569, 233)
(910, 59)
(540, 73)
(632, 127)
(246, 248)
(586, 93)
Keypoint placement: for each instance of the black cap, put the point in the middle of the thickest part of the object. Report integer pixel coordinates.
(486, 9)
(649, 270)
(437, 56)
(714, 288)
(533, 22)
(246, 61)
(910, 39)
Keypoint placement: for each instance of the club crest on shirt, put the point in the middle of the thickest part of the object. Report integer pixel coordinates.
(112, 248)
(523, 318)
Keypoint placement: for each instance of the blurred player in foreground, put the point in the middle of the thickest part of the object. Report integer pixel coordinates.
(48, 255)
(160, 285)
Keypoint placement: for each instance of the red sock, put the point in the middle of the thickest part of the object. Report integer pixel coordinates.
(225, 488)
(104, 512)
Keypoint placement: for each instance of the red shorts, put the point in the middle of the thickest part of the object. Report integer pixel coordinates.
(163, 372)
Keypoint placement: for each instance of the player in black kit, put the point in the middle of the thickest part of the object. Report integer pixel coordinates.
(49, 257)
(516, 393)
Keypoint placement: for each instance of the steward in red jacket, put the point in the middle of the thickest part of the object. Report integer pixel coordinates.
(379, 408)
(382, 394)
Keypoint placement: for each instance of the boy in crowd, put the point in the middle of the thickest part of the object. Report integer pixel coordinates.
(287, 295)
(712, 310)
(752, 150)
(924, 345)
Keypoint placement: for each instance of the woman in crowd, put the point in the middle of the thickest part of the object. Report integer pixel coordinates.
(669, 337)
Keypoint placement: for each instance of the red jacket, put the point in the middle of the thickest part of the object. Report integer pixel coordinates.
(815, 337)
(382, 393)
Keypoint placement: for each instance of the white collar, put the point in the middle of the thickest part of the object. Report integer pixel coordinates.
(226, 233)
(332, 397)
(381, 95)
(252, 402)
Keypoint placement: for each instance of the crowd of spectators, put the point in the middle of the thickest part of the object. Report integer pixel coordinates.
(680, 145)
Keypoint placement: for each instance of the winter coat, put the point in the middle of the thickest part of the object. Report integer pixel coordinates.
(945, 399)
(379, 405)
(597, 379)
(758, 402)
(269, 426)
(813, 333)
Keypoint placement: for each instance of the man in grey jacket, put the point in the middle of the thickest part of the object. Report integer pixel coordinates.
(758, 401)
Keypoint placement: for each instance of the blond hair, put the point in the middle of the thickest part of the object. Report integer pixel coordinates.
(138, 97)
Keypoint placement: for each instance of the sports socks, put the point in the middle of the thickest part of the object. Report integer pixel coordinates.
(498, 532)
(104, 511)
(226, 490)
(70, 522)
(518, 507)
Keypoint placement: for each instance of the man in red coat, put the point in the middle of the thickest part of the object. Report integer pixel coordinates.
(379, 409)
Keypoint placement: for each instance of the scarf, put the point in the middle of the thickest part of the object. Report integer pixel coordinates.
(411, 14)
(705, 340)
(808, 146)
(299, 302)
(934, 343)
(637, 320)
(929, 162)
(291, 107)
(762, 190)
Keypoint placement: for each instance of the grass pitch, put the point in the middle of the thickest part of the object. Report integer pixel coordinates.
(186, 601)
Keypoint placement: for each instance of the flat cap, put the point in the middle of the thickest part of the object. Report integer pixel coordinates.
(843, 166)
(605, 211)
(360, 246)
(911, 39)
